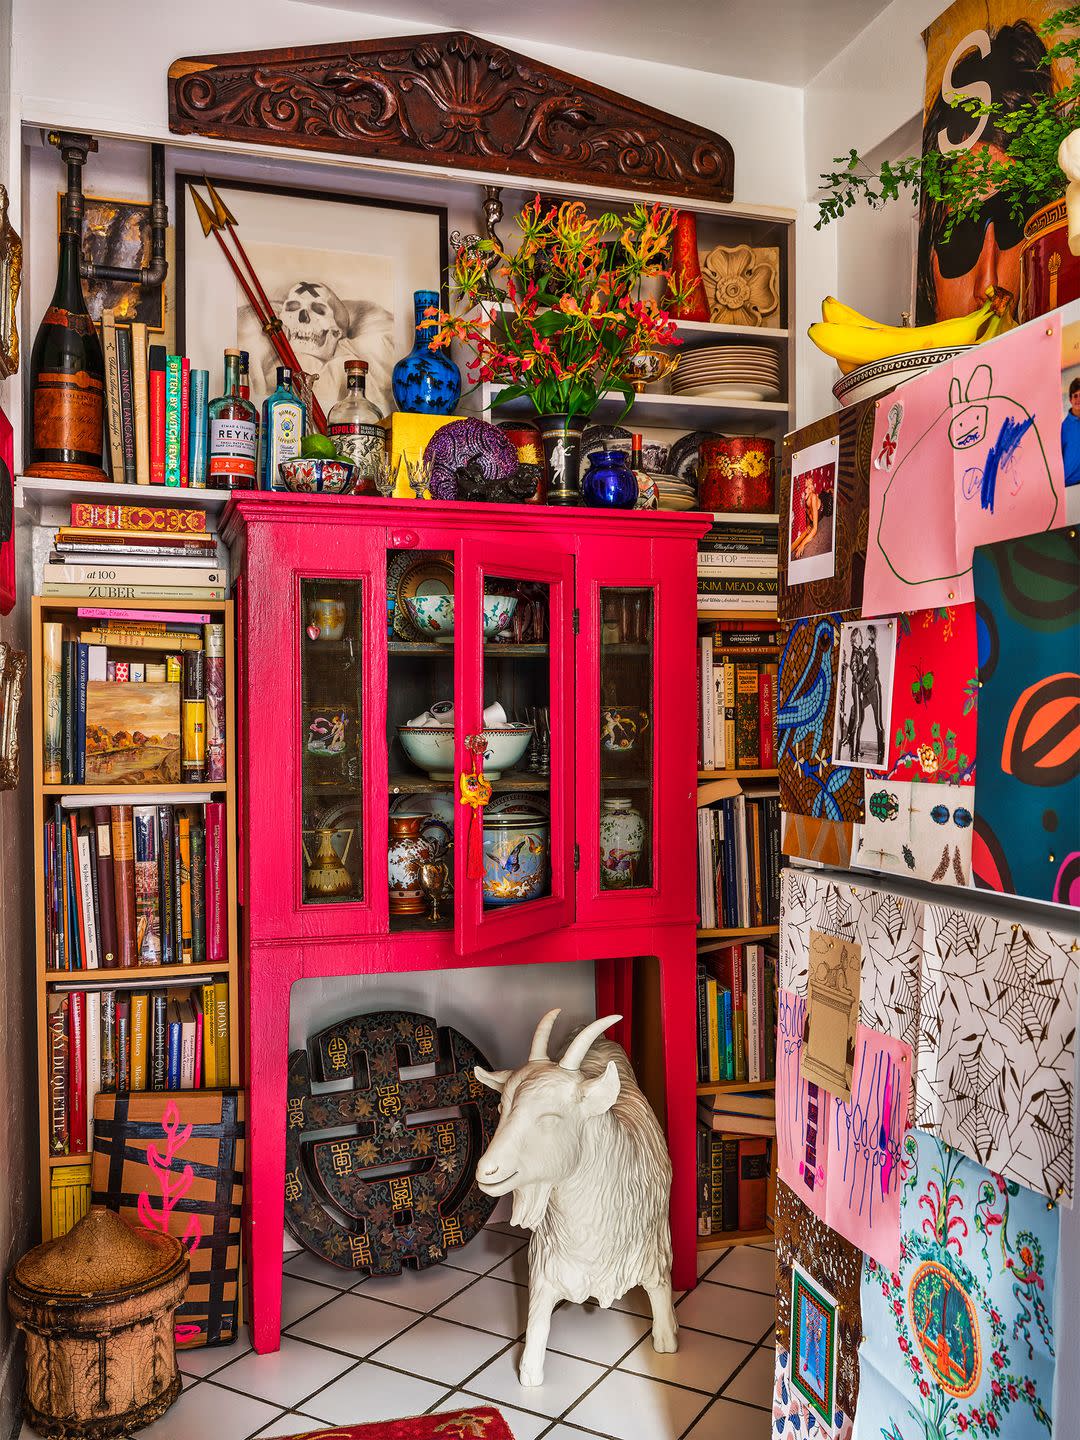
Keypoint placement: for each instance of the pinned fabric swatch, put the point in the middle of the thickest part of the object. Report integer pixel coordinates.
(810, 784)
(977, 458)
(921, 831)
(935, 696)
(832, 1013)
(958, 1340)
(1027, 810)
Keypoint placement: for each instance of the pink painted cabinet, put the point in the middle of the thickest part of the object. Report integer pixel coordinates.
(375, 638)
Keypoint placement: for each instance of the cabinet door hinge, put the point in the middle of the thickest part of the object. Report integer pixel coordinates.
(577, 856)
(577, 620)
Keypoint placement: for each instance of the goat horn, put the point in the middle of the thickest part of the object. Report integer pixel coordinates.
(579, 1045)
(539, 1049)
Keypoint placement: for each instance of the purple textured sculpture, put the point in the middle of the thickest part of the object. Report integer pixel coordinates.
(474, 445)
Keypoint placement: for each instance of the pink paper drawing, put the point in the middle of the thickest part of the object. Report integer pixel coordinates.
(866, 1140)
(802, 1110)
(978, 459)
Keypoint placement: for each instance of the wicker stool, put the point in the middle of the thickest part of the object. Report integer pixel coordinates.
(97, 1309)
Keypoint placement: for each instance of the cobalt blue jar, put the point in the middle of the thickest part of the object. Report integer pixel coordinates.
(609, 482)
(426, 382)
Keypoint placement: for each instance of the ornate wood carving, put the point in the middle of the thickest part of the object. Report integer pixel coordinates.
(448, 99)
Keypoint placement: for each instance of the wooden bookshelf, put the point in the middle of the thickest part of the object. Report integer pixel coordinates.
(733, 1087)
(46, 608)
(727, 1238)
(752, 932)
(738, 774)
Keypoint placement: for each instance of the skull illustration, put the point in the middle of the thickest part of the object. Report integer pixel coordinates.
(315, 320)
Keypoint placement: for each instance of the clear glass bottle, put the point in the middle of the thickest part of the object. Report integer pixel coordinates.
(234, 424)
(353, 425)
(282, 429)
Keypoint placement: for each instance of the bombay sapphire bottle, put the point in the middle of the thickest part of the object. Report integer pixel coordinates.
(426, 382)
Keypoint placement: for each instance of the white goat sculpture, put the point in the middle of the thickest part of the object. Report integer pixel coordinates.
(581, 1149)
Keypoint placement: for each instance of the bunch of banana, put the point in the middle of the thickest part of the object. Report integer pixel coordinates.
(853, 339)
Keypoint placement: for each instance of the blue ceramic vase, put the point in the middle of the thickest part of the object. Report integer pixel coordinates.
(609, 482)
(426, 382)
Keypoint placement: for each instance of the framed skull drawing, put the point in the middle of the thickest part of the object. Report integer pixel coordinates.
(339, 271)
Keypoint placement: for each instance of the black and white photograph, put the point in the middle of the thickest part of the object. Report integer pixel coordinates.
(864, 694)
(338, 270)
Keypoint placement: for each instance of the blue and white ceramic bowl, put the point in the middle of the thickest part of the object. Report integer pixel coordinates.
(433, 615)
(310, 476)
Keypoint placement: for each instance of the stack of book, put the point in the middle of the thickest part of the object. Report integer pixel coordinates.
(159, 1037)
(127, 552)
(133, 697)
(738, 854)
(736, 1014)
(737, 563)
(135, 885)
(157, 410)
(737, 680)
(733, 1181)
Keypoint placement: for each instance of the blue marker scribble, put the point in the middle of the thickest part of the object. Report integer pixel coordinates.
(1000, 453)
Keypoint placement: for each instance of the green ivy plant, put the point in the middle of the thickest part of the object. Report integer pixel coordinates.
(962, 180)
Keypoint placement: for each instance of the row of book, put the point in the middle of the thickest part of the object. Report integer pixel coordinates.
(732, 1181)
(157, 410)
(162, 1037)
(113, 719)
(738, 854)
(134, 552)
(135, 885)
(738, 563)
(736, 1014)
(737, 683)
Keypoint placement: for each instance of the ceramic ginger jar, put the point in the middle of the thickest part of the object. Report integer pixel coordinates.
(407, 851)
(622, 838)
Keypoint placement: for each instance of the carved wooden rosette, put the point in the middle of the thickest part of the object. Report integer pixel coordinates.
(448, 99)
(339, 1201)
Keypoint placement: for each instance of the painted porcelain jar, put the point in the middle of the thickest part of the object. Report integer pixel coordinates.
(426, 381)
(622, 837)
(407, 851)
(515, 856)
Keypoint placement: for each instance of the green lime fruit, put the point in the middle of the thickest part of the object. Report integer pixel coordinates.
(318, 447)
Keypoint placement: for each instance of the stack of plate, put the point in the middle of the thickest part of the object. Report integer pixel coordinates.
(673, 493)
(729, 372)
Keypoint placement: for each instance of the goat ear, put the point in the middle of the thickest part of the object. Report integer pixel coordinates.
(493, 1079)
(600, 1094)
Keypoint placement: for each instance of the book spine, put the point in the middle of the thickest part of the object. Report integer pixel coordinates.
(173, 1080)
(729, 714)
(177, 888)
(93, 1060)
(729, 1034)
(172, 420)
(753, 1173)
(702, 1026)
(147, 898)
(209, 1036)
(123, 1042)
(81, 661)
(216, 899)
(200, 1031)
(75, 904)
(140, 388)
(221, 1032)
(91, 953)
(50, 897)
(77, 1073)
(193, 718)
(105, 886)
(67, 711)
(730, 1166)
(753, 1014)
(736, 585)
(198, 893)
(746, 717)
(123, 862)
(120, 548)
(704, 1205)
(716, 1183)
(58, 1074)
(767, 718)
(705, 688)
(769, 1069)
(156, 422)
(95, 591)
(183, 850)
(140, 1037)
(107, 1035)
(155, 520)
(113, 416)
(198, 443)
(214, 650)
(52, 708)
(127, 402)
(159, 1041)
(165, 882)
(185, 421)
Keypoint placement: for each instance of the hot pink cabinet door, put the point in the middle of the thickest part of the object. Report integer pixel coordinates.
(315, 668)
(636, 758)
(515, 701)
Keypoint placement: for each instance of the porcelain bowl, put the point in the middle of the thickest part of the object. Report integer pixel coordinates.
(878, 376)
(433, 615)
(318, 477)
(431, 748)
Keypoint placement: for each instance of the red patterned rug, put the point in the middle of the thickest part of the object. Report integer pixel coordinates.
(479, 1423)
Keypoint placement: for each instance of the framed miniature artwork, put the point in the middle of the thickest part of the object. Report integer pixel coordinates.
(813, 1343)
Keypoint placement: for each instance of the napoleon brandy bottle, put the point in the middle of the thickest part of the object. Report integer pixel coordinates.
(234, 432)
(67, 378)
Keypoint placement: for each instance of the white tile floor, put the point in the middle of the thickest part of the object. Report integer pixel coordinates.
(440, 1339)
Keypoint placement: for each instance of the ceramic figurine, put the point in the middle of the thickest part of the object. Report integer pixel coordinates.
(609, 482)
(582, 1153)
(426, 381)
(622, 836)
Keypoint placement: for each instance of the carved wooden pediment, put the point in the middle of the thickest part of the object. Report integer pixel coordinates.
(449, 99)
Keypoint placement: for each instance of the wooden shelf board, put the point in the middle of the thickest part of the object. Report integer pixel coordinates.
(421, 785)
(433, 648)
(700, 329)
(750, 932)
(613, 782)
(55, 1160)
(734, 1087)
(136, 974)
(219, 787)
(738, 774)
(683, 412)
(727, 1238)
(34, 493)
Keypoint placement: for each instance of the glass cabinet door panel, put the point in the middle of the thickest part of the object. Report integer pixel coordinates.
(331, 840)
(626, 737)
(420, 738)
(517, 732)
